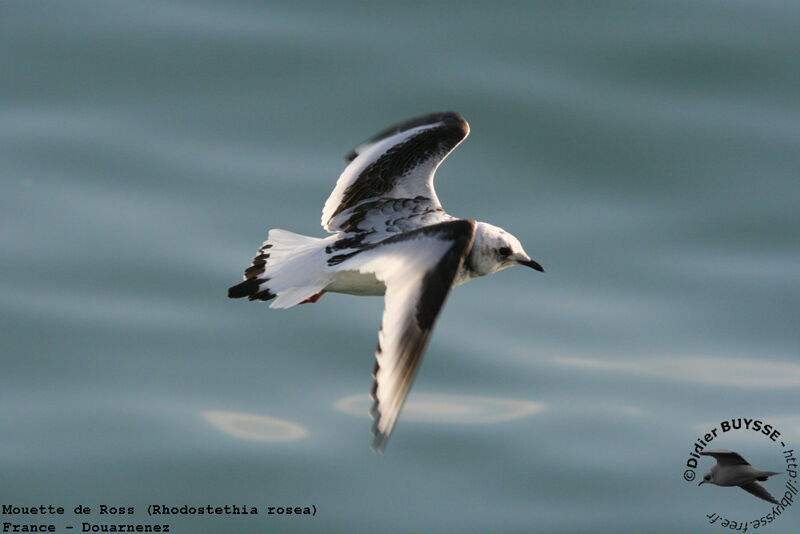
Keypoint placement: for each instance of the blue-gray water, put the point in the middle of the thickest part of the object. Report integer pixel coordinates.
(646, 153)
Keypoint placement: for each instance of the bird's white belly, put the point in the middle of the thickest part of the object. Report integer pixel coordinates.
(356, 283)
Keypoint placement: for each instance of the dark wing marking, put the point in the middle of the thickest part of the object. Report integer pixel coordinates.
(422, 120)
(418, 268)
(759, 491)
(398, 163)
(726, 457)
(253, 286)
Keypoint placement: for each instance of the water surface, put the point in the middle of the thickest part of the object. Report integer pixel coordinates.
(645, 153)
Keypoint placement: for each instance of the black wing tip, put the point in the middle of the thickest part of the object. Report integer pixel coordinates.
(452, 119)
(449, 117)
(378, 445)
(379, 439)
(379, 442)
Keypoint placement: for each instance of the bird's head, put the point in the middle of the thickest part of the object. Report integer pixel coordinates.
(708, 478)
(495, 249)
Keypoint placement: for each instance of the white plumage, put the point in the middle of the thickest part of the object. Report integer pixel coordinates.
(390, 235)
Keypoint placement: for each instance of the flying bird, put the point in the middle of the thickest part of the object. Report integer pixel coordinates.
(732, 469)
(389, 236)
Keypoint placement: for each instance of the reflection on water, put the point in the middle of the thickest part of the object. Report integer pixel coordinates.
(734, 372)
(255, 427)
(434, 408)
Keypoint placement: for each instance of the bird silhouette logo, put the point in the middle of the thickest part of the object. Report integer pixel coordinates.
(732, 469)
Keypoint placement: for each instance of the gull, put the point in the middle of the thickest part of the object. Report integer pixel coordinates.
(390, 236)
(732, 469)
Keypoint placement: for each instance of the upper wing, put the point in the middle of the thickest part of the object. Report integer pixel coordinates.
(418, 269)
(759, 491)
(726, 457)
(398, 163)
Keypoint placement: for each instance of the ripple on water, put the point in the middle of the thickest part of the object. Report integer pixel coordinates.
(713, 370)
(255, 427)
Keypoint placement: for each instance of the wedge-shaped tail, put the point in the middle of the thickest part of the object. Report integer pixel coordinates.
(288, 266)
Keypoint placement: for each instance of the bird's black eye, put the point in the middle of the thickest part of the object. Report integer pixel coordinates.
(504, 251)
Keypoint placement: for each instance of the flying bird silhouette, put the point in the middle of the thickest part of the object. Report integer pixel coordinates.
(732, 469)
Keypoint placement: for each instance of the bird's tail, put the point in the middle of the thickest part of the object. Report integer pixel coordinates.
(764, 475)
(288, 266)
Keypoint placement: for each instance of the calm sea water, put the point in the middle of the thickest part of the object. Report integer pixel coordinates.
(646, 153)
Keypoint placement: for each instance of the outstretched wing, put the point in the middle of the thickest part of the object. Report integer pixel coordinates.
(418, 269)
(397, 164)
(759, 491)
(726, 457)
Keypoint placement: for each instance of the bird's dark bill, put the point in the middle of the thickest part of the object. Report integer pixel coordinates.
(533, 265)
